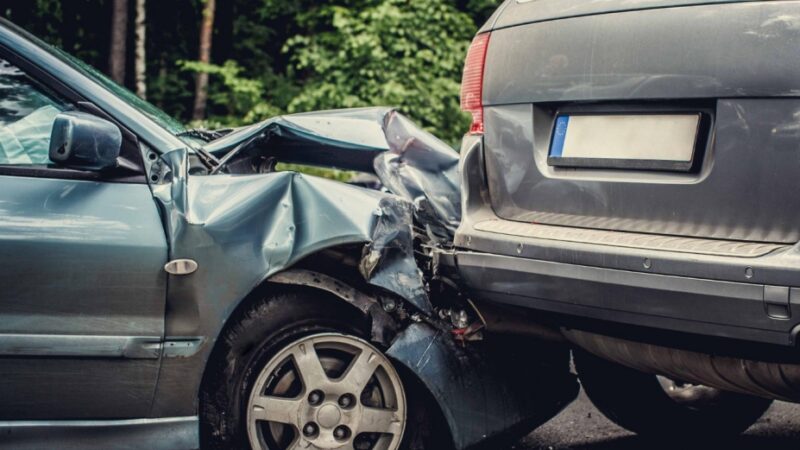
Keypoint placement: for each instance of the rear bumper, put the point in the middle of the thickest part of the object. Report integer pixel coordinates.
(753, 298)
(683, 304)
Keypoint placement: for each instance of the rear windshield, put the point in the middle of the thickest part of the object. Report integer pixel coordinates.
(519, 12)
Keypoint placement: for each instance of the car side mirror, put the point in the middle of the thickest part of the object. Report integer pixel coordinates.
(83, 141)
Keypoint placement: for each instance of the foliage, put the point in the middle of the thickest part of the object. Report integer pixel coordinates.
(405, 53)
(480, 10)
(333, 174)
(241, 98)
(275, 56)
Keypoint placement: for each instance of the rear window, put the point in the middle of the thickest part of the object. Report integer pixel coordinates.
(526, 11)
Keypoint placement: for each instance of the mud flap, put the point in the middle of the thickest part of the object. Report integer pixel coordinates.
(489, 392)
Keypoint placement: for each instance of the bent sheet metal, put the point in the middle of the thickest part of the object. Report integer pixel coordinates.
(267, 221)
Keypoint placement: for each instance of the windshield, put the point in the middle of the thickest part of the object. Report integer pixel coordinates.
(160, 117)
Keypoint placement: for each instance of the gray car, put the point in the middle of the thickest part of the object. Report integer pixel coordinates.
(631, 189)
(165, 288)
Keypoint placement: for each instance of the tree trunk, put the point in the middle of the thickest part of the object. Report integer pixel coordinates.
(70, 25)
(201, 86)
(140, 62)
(119, 35)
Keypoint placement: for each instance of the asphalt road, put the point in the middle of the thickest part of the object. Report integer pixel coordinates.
(582, 427)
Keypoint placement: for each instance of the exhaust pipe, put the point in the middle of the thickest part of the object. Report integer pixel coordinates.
(762, 379)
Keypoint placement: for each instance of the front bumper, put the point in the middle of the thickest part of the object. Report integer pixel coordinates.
(750, 297)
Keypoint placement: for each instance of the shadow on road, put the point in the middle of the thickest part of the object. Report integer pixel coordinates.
(740, 443)
(582, 427)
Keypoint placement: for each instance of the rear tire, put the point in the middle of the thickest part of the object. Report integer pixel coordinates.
(257, 353)
(640, 403)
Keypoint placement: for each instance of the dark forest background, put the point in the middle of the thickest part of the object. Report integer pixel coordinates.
(230, 62)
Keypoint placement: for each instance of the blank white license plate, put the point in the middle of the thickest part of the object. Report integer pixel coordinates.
(621, 141)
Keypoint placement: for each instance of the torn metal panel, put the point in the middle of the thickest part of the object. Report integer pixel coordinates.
(409, 161)
(347, 139)
(388, 260)
(242, 229)
(423, 170)
(487, 391)
(267, 222)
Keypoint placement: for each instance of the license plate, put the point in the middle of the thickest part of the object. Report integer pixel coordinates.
(621, 141)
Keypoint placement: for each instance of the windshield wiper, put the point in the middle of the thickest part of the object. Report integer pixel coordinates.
(205, 135)
(208, 160)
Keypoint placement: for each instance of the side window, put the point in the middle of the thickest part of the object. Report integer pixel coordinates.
(27, 113)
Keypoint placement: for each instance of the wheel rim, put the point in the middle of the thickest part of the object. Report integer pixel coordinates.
(327, 391)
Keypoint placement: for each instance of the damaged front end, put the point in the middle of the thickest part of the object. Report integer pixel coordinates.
(377, 249)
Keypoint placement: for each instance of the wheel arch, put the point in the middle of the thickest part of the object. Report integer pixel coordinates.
(331, 272)
(357, 303)
(349, 299)
(218, 382)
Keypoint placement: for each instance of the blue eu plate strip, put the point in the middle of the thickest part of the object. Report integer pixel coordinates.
(559, 136)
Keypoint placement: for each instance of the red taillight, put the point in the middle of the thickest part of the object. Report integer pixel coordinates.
(472, 82)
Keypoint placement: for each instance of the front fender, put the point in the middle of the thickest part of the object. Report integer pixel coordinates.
(241, 230)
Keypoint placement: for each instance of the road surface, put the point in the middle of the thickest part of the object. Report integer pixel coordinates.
(582, 427)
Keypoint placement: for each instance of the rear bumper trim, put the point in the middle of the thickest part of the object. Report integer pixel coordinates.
(691, 305)
(629, 240)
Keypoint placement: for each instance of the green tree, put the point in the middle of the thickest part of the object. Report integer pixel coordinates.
(274, 56)
(404, 53)
(236, 99)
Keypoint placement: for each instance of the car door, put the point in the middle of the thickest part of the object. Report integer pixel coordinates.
(82, 286)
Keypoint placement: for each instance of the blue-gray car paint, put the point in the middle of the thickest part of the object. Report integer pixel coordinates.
(80, 262)
(236, 214)
(409, 161)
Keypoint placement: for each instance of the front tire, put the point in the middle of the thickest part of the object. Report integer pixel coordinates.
(655, 407)
(295, 369)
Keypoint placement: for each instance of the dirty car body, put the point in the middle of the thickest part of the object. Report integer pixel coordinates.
(121, 279)
(660, 252)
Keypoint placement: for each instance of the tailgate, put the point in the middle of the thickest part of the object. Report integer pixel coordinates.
(679, 120)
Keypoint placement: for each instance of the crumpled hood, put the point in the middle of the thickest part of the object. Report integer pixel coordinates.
(258, 225)
(409, 161)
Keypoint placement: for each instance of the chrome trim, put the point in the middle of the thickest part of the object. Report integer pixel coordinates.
(129, 347)
(171, 433)
(182, 347)
(181, 267)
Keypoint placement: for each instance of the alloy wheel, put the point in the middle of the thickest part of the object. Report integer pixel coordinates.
(327, 391)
